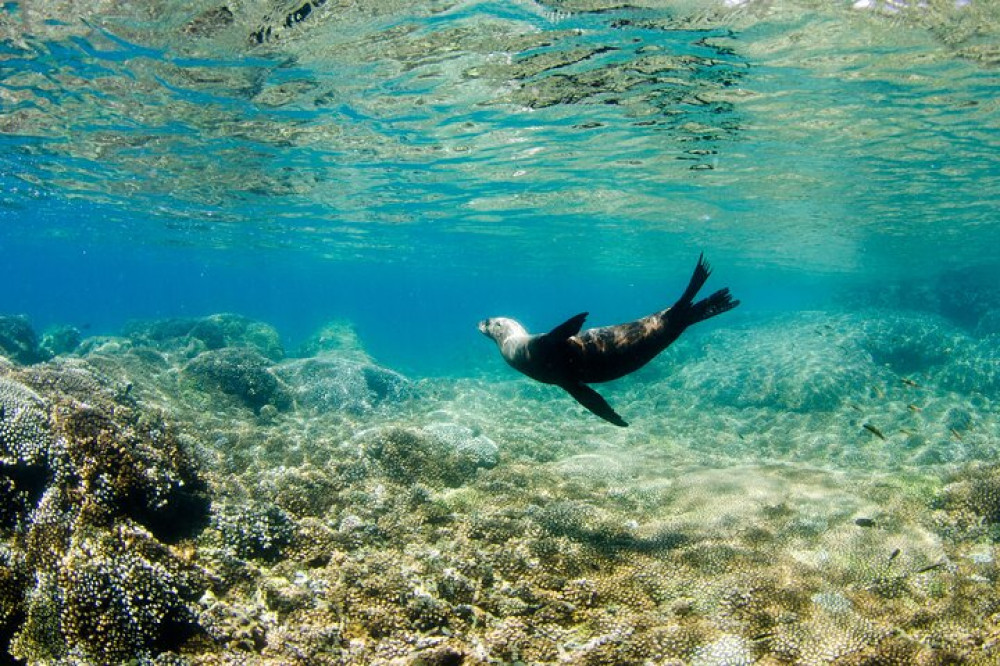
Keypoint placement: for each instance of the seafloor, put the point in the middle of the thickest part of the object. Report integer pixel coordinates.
(816, 488)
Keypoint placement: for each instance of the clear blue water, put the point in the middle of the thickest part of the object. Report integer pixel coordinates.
(416, 167)
(810, 479)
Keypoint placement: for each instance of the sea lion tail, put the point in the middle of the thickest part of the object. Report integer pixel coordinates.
(719, 302)
(698, 279)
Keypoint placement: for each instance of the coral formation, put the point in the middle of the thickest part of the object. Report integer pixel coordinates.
(24, 426)
(439, 454)
(60, 340)
(243, 374)
(473, 523)
(111, 597)
(18, 340)
(332, 382)
(212, 332)
(338, 337)
(252, 531)
(25, 440)
(95, 490)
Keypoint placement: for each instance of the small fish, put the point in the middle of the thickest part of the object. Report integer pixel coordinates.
(930, 567)
(914, 408)
(894, 554)
(907, 431)
(856, 408)
(864, 522)
(878, 392)
(956, 434)
(873, 430)
(909, 382)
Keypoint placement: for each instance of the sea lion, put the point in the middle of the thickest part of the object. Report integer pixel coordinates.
(572, 359)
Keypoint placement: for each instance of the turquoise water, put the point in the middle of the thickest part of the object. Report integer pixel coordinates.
(809, 479)
(423, 165)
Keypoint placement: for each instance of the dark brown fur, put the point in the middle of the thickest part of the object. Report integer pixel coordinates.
(571, 359)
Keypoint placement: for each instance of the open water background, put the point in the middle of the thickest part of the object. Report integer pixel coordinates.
(415, 167)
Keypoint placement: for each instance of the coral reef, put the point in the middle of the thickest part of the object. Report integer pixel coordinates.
(252, 531)
(18, 340)
(439, 454)
(25, 439)
(332, 382)
(339, 337)
(816, 489)
(96, 489)
(243, 374)
(212, 332)
(111, 597)
(60, 340)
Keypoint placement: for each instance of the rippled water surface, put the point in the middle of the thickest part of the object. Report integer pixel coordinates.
(456, 146)
(812, 135)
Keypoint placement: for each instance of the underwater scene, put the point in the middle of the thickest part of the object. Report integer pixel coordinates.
(459, 332)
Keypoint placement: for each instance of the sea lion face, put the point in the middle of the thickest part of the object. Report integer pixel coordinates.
(500, 328)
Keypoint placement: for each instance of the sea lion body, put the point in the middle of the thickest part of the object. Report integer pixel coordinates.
(571, 358)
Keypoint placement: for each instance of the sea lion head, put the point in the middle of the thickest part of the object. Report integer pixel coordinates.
(501, 328)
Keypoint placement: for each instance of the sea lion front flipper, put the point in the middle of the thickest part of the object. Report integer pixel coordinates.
(568, 328)
(593, 401)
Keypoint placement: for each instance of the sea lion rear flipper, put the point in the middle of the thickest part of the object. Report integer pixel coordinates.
(568, 328)
(593, 401)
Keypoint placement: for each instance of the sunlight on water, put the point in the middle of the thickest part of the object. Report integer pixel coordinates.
(357, 131)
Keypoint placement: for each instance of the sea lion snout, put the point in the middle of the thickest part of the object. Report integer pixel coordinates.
(483, 326)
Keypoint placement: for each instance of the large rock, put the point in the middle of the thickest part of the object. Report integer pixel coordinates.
(331, 382)
(60, 340)
(905, 342)
(445, 454)
(18, 341)
(337, 336)
(242, 373)
(213, 332)
(801, 363)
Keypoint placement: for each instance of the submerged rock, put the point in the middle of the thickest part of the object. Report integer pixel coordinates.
(60, 340)
(906, 342)
(438, 455)
(241, 373)
(212, 332)
(18, 340)
(337, 336)
(974, 368)
(801, 364)
(331, 382)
